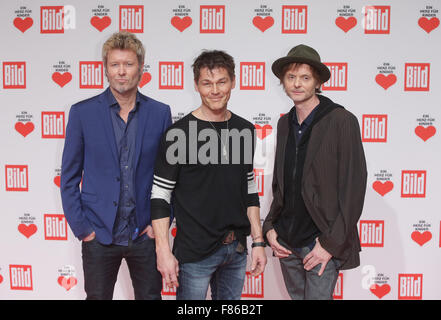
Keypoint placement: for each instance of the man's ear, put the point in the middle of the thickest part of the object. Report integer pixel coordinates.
(233, 83)
(196, 86)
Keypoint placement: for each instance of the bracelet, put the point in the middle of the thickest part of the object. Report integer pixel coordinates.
(257, 237)
(258, 244)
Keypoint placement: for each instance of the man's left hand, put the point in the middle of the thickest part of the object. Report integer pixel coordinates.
(316, 256)
(258, 263)
(149, 231)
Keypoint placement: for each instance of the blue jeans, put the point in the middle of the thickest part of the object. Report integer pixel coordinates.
(101, 265)
(308, 285)
(224, 271)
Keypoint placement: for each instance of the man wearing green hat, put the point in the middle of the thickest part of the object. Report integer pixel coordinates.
(319, 181)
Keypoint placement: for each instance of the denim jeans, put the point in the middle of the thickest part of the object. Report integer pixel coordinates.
(224, 271)
(308, 285)
(101, 265)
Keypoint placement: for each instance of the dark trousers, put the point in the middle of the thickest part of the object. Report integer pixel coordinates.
(101, 265)
(308, 285)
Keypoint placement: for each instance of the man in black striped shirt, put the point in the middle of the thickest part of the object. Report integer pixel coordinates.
(204, 169)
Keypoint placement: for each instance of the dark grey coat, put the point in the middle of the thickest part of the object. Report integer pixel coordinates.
(333, 182)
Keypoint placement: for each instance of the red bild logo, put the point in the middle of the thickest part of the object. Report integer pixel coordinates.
(376, 19)
(52, 19)
(410, 286)
(417, 76)
(171, 75)
(372, 233)
(294, 19)
(252, 75)
(16, 178)
(14, 75)
(52, 125)
(259, 179)
(212, 19)
(253, 286)
(374, 128)
(413, 184)
(166, 291)
(91, 75)
(339, 76)
(131, 19)
(55, 227)
(338, 290)
(20, 277)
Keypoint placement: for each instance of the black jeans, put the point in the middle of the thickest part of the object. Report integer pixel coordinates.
(101, 265)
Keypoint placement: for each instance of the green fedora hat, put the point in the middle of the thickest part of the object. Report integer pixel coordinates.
(302, 54)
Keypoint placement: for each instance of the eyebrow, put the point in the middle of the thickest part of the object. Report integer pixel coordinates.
(208, 80)
(301, 75)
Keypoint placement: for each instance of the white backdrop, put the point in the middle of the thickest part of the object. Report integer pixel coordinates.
(385, 63)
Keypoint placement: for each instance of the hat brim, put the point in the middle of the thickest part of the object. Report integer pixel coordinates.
(322, 69)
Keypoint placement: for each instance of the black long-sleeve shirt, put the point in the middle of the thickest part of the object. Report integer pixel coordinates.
(209, 198)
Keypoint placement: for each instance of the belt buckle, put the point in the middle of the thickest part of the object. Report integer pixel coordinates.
(229, 238)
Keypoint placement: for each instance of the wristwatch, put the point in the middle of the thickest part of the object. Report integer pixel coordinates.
(258, 244)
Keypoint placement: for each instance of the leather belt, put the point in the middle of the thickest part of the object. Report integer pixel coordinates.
(229, 238)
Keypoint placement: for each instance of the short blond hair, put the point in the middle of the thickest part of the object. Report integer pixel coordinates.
(124, 40)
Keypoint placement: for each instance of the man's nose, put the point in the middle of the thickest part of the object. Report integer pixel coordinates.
(121, 69)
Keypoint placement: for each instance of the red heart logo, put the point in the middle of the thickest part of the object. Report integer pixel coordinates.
(425, 133)
(24, 128)
(23, 24)
(146, 77)
(100, 23)
(181, 23)
(383, 188)
(27, 231)
(380, 290)
(174, 231)
(57, 180)
(428, 24)
(61, 78)
(421, 238)
(346, 24)
(67, 283)
(263, 23)
(385, 81)
(1, 278)
(264, 131)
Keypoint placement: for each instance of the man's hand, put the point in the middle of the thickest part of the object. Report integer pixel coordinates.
(258, 260)
(278, 249)
(168, 266)
(90, 237)
(316, 256)
(166, 262)
(149, 231)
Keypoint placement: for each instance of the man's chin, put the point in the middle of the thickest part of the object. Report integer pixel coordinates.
(122, 89)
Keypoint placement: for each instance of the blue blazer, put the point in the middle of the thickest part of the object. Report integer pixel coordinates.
(90, 155)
